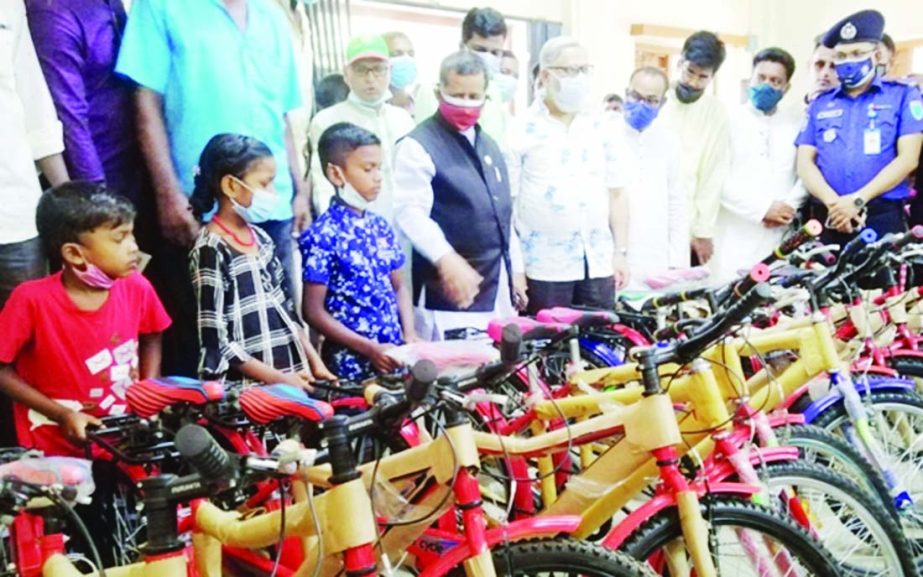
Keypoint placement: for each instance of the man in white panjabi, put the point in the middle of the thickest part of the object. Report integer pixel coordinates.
(762, 193)
(658, 238)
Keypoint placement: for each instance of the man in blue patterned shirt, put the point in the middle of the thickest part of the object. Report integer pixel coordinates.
(354, 293)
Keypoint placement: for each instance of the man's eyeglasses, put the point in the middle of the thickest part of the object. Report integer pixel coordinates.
(366, 70)
(852, 55)
(633, 96)
(571, 71)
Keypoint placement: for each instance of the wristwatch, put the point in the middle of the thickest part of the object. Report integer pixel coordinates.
(859, 202)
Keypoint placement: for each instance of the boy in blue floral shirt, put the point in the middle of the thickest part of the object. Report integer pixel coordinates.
(354, 293)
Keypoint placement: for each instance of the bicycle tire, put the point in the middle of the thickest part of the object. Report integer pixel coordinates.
(563, 554)
(911, 367)
(906, 462)
(817, 445)
(724, 513)
(848, 519)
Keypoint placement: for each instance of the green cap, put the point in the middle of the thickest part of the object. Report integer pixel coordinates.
(368, 46)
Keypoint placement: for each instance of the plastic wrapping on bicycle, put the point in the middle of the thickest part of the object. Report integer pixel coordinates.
(582, 319)
(41, 473)
(702, 337)
(269, 403)
(151, 396)
(531, 329)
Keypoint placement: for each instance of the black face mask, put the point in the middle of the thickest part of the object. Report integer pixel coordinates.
(687, 94)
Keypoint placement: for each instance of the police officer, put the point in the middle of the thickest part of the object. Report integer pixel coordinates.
(861, 140)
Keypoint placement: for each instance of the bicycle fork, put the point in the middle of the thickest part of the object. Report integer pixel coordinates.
(864, 439)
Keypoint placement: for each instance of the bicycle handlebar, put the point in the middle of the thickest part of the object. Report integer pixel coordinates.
(701, 338)
(809, 231)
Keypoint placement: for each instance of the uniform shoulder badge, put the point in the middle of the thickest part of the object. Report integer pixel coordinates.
(916, 109)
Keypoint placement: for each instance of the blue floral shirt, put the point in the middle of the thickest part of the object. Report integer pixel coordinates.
(354, 255)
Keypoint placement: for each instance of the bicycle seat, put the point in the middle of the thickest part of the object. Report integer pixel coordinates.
(448, 356)
(149, 397)
(48, 471)
(270, 403)
(532, 330)
(577, 318)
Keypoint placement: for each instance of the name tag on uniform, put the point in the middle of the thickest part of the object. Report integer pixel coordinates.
(830, 114)
(872, 141)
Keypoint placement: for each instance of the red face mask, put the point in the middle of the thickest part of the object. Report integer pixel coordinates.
(460, 113)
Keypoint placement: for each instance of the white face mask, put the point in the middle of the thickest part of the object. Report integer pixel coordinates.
(491, 62)
(262, 205)
(374, 104)
(571, 93)
(507, 85)
(351, 196)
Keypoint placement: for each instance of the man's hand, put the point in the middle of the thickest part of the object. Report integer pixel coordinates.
(703, 249)
(177, 222)
(843, 214)
(779, 214)
(383, 362)
(301, 207)
(620, 271)
(520, 291)
(74, 426)
(460, 283)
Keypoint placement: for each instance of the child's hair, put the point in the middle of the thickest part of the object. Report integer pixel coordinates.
(224, 154)
(76, 207)
(339, 140)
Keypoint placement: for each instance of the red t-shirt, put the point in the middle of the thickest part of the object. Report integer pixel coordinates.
(83, 359)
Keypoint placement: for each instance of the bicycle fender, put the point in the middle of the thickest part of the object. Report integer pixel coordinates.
(906, 353)
(619, 534)
(864, 387)
(515, 531)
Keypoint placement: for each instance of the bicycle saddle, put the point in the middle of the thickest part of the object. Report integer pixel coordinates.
(532, 330)
(270, 403)
(149, 397)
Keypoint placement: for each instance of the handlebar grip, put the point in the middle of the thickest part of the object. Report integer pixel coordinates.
(674, 298)
(511, 344)
(422, 376)
(374, 392)
(759, 273)
(810, 230)
(202, 451)
(864, 238)
(709, 333)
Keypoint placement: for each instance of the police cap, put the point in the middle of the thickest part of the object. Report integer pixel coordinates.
(864, 26)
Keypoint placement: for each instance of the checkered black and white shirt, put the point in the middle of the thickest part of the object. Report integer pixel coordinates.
(243, 311)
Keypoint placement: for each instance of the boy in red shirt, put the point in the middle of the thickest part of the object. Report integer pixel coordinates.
(72, 342)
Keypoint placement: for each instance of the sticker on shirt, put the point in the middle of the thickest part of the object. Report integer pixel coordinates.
(99, 362)
(37, 419)
(916, 109)
(120, 373)
(830, 135)
(830, 114)
(126, 353)
(872, 141)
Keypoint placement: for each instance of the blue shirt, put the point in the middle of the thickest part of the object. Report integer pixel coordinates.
(215, 78)
(354, 255)
(836, 126)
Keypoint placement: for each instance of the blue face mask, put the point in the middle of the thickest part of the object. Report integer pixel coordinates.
(262, 205)
(403, 71)
(764, 97)
(639, 115)
(854, 73)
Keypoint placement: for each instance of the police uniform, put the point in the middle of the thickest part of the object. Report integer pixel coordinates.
(856, 137)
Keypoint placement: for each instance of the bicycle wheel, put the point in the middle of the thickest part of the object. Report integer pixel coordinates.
(848, 521)
(896, 419)
(745, 539)
(562, 555)
(816, 445)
